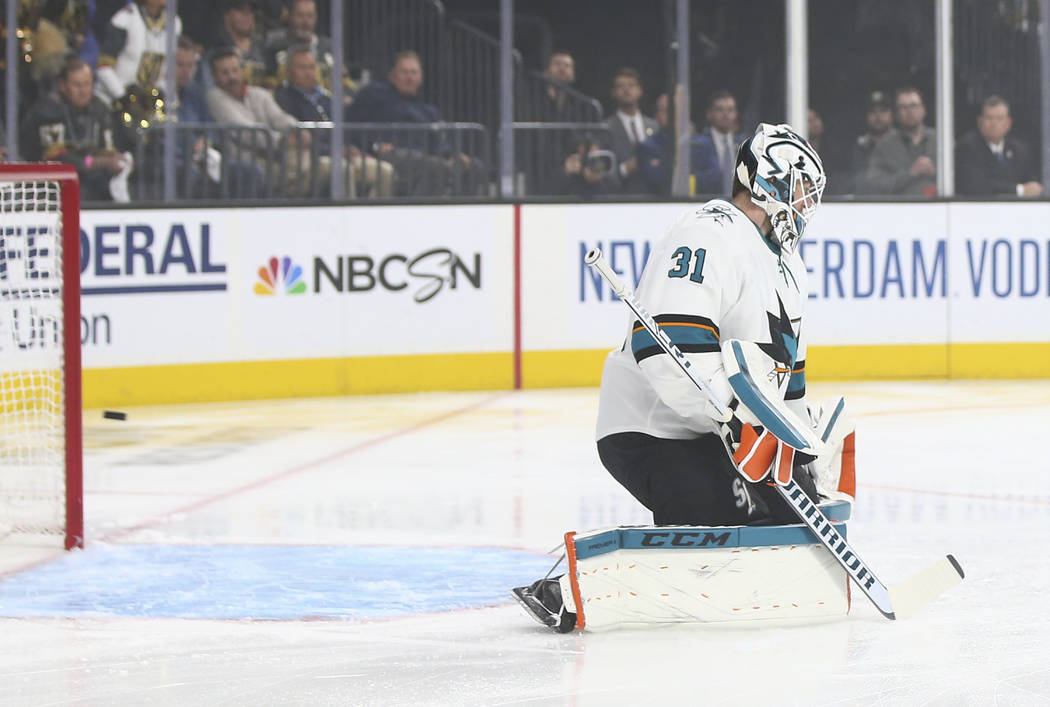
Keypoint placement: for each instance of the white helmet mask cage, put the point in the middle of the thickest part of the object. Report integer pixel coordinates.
(786, 178)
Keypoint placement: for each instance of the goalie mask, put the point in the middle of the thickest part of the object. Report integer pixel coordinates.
(785, 177)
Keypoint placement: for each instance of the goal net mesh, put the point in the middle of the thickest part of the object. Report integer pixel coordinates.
(32, 435)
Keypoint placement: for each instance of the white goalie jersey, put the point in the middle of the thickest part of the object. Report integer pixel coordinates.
(713, 276)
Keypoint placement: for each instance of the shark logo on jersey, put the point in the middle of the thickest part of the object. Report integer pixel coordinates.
(783, 346)
(718, 213)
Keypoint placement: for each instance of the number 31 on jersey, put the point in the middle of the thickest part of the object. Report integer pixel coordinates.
(682, 258)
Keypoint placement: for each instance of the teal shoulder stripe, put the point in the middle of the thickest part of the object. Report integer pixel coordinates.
(690, 338)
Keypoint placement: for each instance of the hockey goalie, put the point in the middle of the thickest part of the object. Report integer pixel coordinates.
(728, 288)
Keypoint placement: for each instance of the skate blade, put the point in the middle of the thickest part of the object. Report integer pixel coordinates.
(532, 607)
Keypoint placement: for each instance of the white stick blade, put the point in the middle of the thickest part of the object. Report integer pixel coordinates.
(912, 594)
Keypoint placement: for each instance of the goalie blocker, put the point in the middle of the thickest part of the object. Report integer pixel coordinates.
(646, 575)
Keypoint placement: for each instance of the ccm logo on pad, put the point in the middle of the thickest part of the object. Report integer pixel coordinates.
(684, 539)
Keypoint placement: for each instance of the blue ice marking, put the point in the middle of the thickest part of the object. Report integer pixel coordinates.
(268, 582)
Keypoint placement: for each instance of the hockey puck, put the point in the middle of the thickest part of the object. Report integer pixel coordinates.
(114, 415)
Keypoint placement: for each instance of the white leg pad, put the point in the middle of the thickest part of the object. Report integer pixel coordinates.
(660, 575)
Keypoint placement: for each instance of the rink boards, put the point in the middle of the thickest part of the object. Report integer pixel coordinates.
(213, 304)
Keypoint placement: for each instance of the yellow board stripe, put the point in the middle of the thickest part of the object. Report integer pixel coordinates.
(254, 380)
(999, 360)
(1017, 360)
(370, 375)
(876, 362)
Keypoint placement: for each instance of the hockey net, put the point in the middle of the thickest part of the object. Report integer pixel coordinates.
(40, 417)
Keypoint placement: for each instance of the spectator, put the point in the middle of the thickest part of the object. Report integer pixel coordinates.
(903, 161)
(302, 97)
(714, 150)
(653, 164)
(989, 161)
(301, 29)
(237, 30)
(243, 178)
(232, 100)
(77, 128)
(192, 105)
(560, 73)
(555, 150)
(425, 166)
(879, 119)
(628, 128)
(133, 50)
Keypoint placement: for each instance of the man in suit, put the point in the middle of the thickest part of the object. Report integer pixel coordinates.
(714, 150)
(426, 165)
(628, 128)
(990, 161)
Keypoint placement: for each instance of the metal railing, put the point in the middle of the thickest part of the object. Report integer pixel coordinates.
(216, 161)
(474, 54)
(212, 161)
(428, 159)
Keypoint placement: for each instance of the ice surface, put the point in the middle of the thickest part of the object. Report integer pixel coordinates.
(264, 504)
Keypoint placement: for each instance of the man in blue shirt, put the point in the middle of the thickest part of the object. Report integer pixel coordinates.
(425, 163)
(305, 99)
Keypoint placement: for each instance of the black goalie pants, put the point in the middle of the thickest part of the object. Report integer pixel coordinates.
(693, 481)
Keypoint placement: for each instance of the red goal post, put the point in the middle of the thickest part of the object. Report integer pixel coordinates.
(41, 449)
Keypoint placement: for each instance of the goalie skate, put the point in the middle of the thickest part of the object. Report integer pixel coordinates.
(542, 601)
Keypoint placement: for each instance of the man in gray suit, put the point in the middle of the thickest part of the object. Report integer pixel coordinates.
(628, 128)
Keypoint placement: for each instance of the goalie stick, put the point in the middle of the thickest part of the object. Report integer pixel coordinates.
(895, 602)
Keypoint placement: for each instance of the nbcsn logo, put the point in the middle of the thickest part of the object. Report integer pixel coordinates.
(280, 276)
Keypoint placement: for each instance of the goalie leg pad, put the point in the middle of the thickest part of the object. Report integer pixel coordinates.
(647, 575)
